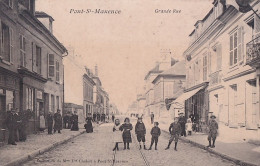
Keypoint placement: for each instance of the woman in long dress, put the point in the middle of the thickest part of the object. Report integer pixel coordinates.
(117, 134)
(126, 128)
(88, 126)
(75, 122)
(42, 122)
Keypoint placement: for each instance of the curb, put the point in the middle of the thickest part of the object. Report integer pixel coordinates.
(236, 161)
(42, 150)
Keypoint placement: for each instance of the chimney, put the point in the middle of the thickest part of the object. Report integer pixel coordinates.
(96, 70)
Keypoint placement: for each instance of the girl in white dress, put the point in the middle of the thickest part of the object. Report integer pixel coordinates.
(117, 134)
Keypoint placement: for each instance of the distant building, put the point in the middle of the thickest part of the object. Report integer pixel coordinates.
(88, 91)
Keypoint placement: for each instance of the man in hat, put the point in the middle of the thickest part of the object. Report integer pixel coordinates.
(213, 131)
(155, 132)
(175, 130)
(182, 121)
(140, 132)
(11, 123)
(57, 121)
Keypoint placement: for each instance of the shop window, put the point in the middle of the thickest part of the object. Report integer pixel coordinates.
(9, 100)
(30, 99)
(38, 59)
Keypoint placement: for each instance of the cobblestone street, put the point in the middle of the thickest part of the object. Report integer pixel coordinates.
(96, 149)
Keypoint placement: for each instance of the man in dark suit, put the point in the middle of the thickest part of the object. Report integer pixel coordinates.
(11, 123)
(50, 122)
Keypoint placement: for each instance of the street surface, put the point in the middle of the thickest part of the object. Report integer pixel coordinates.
(96, 149)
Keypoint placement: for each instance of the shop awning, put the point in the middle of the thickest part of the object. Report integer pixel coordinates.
(181, 99)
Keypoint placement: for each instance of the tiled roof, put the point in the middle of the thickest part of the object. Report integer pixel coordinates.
(176, 69)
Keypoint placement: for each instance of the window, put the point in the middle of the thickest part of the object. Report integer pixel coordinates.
(29, 99)
(57, 71)
(205, 68)
(22, 51)
(38, 59)
(51, 65)
(6, 42)
(235, 50)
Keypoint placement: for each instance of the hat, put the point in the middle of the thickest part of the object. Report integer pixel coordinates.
(140, 117)
(157, 123)
(213, 117)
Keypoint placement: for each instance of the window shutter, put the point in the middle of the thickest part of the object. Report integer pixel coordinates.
(240, 44)
(219, 57)
(34, 57)
(257, 24)
(11, 44)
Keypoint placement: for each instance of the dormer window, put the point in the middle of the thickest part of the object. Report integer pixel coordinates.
(9, 3)
(29, 5)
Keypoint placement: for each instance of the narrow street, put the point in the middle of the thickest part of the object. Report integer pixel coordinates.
(96, 149)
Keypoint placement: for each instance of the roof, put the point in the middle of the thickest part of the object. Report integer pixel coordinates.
(40, 14)
(154, 70)
(178, 69)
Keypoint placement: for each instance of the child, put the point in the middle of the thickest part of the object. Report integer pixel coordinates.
(189, 126)
(175, 130)
(155, 132)
(126, 128)
(140, 132)
(117, 134)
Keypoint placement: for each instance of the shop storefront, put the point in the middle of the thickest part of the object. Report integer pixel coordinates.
(32, 97)
(9, 96)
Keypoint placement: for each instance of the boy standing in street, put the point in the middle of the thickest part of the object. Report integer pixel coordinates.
(155, 132)
(213, 131)
(140, 131)
(175, 130)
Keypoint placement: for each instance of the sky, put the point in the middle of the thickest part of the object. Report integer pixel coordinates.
(124, 46)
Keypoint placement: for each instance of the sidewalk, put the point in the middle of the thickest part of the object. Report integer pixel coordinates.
(36, 144)
(240, 152)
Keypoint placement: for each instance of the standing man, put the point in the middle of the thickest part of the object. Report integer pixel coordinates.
(50, 122)
(113, 117)
(98, 117)
(213, 131)
(152, 118)
(57, 121)
(182, 121)
(23, 117)
(140, 132)
(174, 130)
(11, 123)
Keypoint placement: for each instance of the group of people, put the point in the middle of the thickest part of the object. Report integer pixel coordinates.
(97, 117)
(122, 133)
(70, 121)
(16, 122)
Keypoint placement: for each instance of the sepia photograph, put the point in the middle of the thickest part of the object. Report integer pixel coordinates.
(130, 82)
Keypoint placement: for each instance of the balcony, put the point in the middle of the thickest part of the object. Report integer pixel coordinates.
(253, 52)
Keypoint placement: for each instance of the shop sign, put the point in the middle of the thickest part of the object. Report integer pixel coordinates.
(39, 94)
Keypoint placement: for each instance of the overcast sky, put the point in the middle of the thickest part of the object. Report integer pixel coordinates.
(125, 46)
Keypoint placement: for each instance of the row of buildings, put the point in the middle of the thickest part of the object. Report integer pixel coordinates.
(84, 92)
(220, 74)
(31, 67)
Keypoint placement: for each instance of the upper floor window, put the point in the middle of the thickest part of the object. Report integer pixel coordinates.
(57, 71)
(236, 46)
(6, 42)
(22, 51)
(39, 59)
(51, 65)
